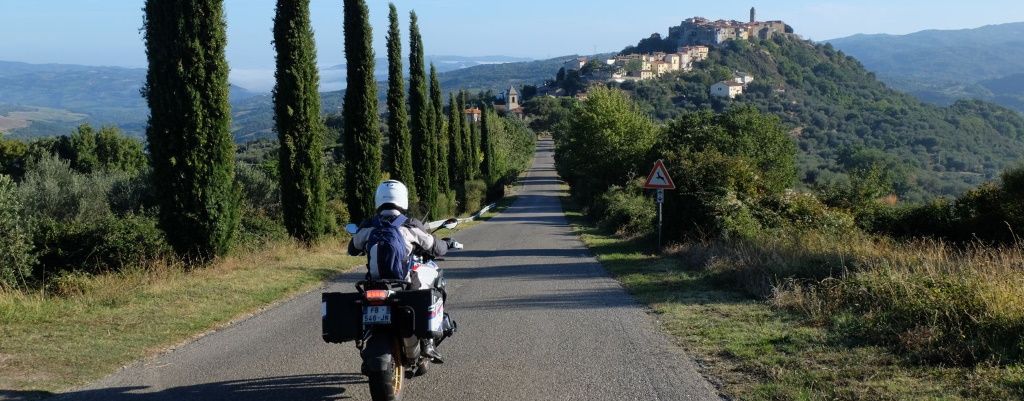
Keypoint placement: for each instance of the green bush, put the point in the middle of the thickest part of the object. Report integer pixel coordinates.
(627, 212)
(52, 190)
(257, 228)
(803, 210)
(75, 228)
(990, 212)
(108, 243)
(725, 166)
(16, 256)
(476, 194)
(259, 190)
(445, 205)
(338, 214)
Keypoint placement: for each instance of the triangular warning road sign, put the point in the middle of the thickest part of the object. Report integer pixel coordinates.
(659, 178)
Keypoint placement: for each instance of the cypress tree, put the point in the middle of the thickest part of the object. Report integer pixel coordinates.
(468, 155)
(455, 162)
(440, 138)
(189, 129)
(300, 130)
(474, 135)
(420, 114)
(487, 146)
(400, 154)
(361, 132)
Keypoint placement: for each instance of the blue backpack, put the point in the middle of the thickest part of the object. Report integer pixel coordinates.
(386, 249)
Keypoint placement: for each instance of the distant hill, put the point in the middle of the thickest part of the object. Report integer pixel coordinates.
(52, 99)
(941, 66)
(253, 117)
(844, 119)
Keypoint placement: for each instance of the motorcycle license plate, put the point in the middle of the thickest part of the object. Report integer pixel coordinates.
(377, 315)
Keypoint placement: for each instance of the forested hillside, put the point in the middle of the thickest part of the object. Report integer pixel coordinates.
(845, 120)
(942, 66)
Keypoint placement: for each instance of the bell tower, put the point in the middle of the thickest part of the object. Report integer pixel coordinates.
(753, 15)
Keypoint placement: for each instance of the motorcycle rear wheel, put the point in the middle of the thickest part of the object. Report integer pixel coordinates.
(387, 385)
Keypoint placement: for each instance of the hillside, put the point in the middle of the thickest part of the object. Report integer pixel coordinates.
(844, 119)
(254, 119)
(941, 66)
(52, 99)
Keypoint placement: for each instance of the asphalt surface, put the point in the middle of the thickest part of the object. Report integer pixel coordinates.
(539, 319)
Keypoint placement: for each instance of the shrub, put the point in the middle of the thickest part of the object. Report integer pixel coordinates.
(337, 213)
(259, 191)
(627, 212)
(990, 212)
(445, 205)
(109, 243)
(75, 228)
(257, 228)
(804, 211)
(132, 193)
(725, 166)
(52, 190)
(476, 194)
(16, 256)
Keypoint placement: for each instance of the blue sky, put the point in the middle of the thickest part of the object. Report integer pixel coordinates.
(106, 32)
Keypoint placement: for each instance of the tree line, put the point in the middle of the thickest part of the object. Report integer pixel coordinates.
(98, 201)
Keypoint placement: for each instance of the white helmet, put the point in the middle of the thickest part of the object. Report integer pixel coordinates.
(392, 192)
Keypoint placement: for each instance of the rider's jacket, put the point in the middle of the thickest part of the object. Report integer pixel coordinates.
(417, 238)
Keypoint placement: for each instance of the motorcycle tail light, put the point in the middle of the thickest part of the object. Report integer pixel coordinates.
(377, 295)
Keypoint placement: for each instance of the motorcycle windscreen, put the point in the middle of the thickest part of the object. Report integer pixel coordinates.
(342, 315)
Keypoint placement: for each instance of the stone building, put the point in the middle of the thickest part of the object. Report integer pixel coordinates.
(702, 31)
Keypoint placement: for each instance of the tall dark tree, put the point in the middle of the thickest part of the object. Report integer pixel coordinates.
(474, 138)
(440, 136)
(300, 130)
(468, 154)
(189, 130)
(421, 116)
(487, 122)
(455, 161)
(400, 154)
(361, 133)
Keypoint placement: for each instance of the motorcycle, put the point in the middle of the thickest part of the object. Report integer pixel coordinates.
(389, 320)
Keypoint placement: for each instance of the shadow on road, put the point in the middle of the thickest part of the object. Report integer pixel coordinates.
(321, 387)
(569, 299)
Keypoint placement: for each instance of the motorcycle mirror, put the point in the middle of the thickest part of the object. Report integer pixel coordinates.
(450, 223)
(351, 228)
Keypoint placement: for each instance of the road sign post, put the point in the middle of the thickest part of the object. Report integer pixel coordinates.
(661, 200)
(659, 180)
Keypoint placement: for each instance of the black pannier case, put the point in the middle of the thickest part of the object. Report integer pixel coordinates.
(342, 315)
(420, 302)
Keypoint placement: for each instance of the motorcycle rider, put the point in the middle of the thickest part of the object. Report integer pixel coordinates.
(392, 201)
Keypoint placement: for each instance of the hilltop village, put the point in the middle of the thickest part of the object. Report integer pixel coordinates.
(686, 45)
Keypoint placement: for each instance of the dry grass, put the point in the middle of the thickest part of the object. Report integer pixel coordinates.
(933, 301)
(776, 319)
(87, 326)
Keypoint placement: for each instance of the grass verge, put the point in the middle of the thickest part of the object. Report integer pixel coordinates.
(754, 351)
(98, 323)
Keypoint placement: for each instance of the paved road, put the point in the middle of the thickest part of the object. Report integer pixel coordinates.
(539, 319)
